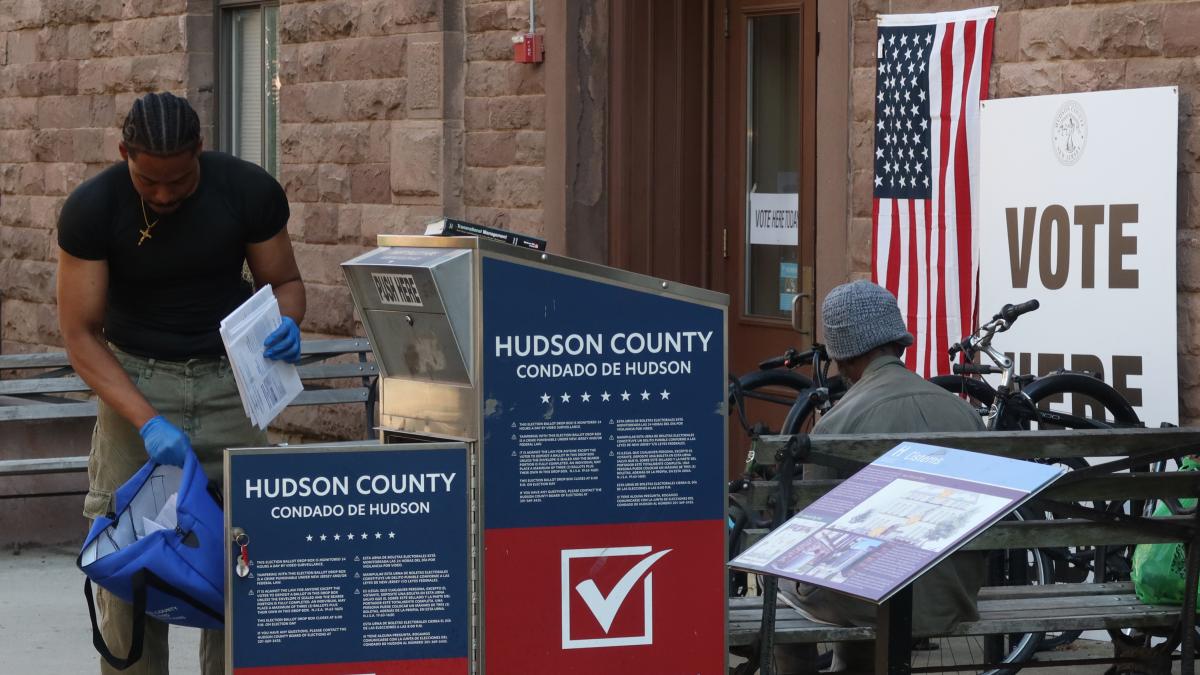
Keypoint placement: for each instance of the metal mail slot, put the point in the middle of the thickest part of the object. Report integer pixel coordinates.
(416, 306)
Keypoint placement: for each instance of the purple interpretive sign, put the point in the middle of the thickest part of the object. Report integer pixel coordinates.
(891, 522)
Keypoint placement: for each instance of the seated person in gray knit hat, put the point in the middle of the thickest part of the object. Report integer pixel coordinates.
(865, 336)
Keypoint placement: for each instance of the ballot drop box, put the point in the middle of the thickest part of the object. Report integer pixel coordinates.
(586, 409)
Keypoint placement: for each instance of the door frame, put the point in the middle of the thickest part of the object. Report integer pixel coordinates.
(730, 97)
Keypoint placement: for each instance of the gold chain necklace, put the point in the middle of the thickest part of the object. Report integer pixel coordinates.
(149, 225)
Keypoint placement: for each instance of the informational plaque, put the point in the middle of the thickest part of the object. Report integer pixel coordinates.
(888, 524)
(348, 560)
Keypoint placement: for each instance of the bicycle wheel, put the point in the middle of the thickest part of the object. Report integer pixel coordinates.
(1012, 567)
(1093, 404)
(973, 390)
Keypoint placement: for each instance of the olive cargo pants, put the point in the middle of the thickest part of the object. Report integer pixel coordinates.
(199, 396)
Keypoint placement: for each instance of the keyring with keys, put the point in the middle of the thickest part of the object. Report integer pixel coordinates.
(242, 540)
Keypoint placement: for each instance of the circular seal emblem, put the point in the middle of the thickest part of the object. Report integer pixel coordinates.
(1069, 136)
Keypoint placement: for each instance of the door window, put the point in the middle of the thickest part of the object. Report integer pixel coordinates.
(773, 136)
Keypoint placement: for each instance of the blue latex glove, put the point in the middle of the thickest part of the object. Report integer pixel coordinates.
(165, 442)
(283, 344)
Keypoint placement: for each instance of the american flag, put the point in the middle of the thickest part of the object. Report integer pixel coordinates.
(932, 72)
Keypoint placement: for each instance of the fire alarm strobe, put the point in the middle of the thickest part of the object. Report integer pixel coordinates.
(527, 48)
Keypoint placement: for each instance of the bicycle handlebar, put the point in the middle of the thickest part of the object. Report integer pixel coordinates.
(791, 359)
(777, 362)
(1010, 312)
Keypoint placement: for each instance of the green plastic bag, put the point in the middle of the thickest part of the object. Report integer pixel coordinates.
(1158, 569)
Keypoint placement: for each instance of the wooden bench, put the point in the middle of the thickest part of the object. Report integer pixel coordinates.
(1012, 609)
(53, 394)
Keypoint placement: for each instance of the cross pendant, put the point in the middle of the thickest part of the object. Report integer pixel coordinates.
(145, 235)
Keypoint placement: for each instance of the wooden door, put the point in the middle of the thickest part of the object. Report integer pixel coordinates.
(659, 139)
(766, 154)
(712, 101)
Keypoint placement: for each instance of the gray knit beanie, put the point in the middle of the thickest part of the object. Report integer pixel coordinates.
(860, 316)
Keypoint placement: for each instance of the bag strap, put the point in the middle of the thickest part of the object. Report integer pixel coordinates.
(139, 624)
(140, 580)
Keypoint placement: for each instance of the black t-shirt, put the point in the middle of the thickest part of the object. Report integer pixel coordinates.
(167, 297)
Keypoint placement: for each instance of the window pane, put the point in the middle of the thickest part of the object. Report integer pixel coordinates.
(772, 163)
(246, 42)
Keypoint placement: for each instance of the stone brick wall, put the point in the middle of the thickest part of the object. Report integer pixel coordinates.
(1063, 46)
(392, 113)
(505, 121)
(357, 155)
(69, 70)
(380, 132)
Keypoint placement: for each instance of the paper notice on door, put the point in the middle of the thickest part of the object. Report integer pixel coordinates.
(774, 218)
(266, 385)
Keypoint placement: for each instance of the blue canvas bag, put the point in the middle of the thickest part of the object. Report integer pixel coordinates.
(161, 550)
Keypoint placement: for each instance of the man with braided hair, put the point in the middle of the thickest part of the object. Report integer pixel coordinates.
(151, 257)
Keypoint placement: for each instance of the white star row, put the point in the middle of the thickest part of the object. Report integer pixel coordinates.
(888, 167)
(904, 39)
(605, 397)
(907, 94)
(904, 182)
(883, 124)
(912, 154)
(889, 111)
(896, 66)
(350, 536)
(901, 138)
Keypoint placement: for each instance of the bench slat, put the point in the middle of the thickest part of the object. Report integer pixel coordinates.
(335, 346)
(324, 396)
(1057, 604)
(1051, 534)
(796, 629)
(23, 467)
(47, 411)
(44, 411)
(1033, 614)
(988, 593)
(1055, 590)
(307, 348)
(1017, 444)
(73, 383)
(34, 360)
(324, 371)
(48, 385)
(1117, 487)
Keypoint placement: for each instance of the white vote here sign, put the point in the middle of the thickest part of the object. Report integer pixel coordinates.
(1077, 209)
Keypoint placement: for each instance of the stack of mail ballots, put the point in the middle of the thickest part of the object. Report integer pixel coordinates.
(266, 385)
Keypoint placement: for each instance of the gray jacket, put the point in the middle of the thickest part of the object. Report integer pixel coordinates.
(892, 399)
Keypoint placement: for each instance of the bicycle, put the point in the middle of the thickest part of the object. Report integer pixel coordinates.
(1018, 401)
(803, 396)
